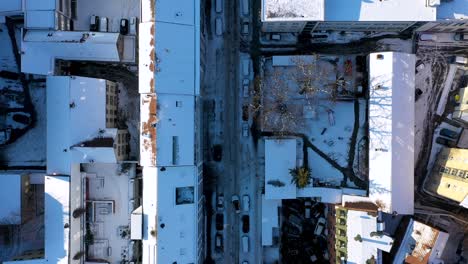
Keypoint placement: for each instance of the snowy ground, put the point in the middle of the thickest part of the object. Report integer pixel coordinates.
(30, 148)
(327, 125)
(114, 10)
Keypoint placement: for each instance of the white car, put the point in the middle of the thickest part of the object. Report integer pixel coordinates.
(245, 244)
(219, 26)
(245, 27)
(103, 24)
(220, 202)
(236, 203)
(245, 87)
(245, 129)
(245, 203)
(428, 37)
(308, 206)
(320, 226)
(133, 25)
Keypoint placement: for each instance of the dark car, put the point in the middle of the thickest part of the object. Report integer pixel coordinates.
(124, 26)
(22, 118)
(219, 222)
(245, 224)
(448, 133)
(446, 142)
(94, 23)
(217, 152)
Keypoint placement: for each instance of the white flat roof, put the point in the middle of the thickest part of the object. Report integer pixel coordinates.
(175, 58)
(280, 156)
(301, 10)
(362, 224)
(177, 223)
(456, 9)
(394, 10)
(10, 194)
(270, 219)
(39, 19)
(175, 130)
(184, 12)
(40, 48)
(56, 215)
(40, 5)
(391, 131)
(10, 6)
(68, 126)
(326, 195)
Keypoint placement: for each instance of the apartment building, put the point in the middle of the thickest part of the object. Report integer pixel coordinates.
(45, 14)
(354, 15)
(170, 139)
(449, 176)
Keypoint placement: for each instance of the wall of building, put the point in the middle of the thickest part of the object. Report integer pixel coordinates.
(445, 26)
(283, 26)
(121, 144)
(111, 104)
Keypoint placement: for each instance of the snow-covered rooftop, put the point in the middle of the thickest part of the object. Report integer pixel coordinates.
(40, 48)
(10, 194)
(421, 242)
(171, 195)
(57, 214)
(395, 10)
(280, 157)
(68, 126)
(391, 131)
(175, 130)
(300, 10)
(10, 6)
(270, 219)
(455, 9)
(363, 224)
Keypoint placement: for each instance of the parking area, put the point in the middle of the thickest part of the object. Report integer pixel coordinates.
(303, 232)
(114, 10)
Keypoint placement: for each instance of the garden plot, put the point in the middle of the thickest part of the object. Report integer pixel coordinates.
(314, 97)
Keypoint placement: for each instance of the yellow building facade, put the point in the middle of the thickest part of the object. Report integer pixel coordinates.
(449, 176)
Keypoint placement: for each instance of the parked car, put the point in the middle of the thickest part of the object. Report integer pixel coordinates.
(219, 242)
(245, 244)
(245, 203)
(319, 37)
(245, 87)
(448, 133)
(133, 25)
(445, 142)
(5, 135)
(245, 262)
(220, 202)
(219, 26)
(94, 23)
(245, 129)
(219, 222)
(461, 37)
(420, 67)
(320, 226)
(219, 6)
(17, 120)
(460, 60)
(276, 37)
(103, 24)
(245, 27)
(217, 152)
(307, 209)
(245, 224)
(124, 26)
(245, 7)
(246, 66)
(428, 37)
(236, 203)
